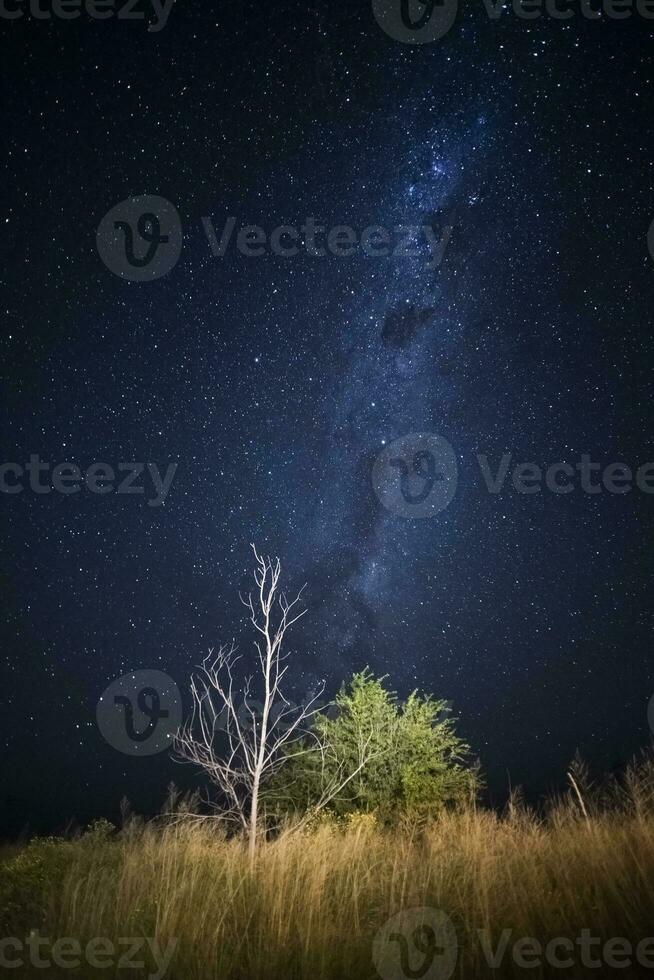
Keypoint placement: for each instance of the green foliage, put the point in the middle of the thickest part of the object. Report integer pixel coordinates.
(29, 881)
(98, 832)
(418, 763)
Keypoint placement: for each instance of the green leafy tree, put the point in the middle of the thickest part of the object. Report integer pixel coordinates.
(417, 763)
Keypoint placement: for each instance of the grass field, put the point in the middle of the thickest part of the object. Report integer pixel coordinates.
(314, 903)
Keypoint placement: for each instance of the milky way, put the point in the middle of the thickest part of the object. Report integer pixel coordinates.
(275, 382)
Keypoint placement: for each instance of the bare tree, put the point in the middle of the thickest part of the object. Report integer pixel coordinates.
(240, 743)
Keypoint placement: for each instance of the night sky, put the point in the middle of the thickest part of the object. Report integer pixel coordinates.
(275, 382)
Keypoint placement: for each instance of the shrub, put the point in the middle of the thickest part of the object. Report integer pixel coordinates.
(419, 764)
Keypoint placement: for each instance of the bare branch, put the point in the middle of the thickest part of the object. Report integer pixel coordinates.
(237, 746)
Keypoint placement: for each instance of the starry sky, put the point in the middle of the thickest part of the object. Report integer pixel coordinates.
(275, 382)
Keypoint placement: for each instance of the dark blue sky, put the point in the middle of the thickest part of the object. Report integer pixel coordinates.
(275, 382)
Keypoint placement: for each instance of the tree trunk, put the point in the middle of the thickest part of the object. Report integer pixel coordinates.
(252, 842)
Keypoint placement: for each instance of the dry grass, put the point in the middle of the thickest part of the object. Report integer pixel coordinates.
(315, 902)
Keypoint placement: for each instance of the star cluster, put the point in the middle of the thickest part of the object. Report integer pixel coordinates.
(274, 382)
